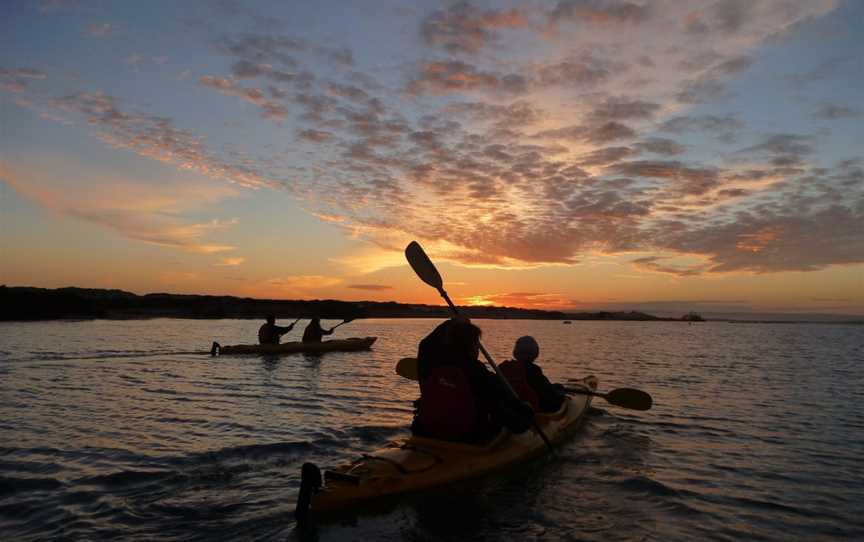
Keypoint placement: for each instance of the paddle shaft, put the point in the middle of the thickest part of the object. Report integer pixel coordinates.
(585, 392)
(497, 370)
(339, 324)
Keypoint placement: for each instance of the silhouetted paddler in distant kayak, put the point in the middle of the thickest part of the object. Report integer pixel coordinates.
(270, 333)
(314, 332)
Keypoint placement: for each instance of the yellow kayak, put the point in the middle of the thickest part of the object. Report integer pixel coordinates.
(419, 463)
(341, 345)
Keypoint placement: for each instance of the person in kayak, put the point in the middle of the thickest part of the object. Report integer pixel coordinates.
(460, 400)
(270, 333)
(528, 380)
(314, 331)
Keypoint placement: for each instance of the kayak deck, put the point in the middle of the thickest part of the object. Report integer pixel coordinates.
(419, 463)
(340, 345)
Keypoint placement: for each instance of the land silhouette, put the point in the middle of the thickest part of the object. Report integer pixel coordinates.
(27, 303)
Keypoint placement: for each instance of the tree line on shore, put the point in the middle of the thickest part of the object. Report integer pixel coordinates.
(27, 303)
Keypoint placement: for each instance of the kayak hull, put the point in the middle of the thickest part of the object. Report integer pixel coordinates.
(419, 463)
(341, 345)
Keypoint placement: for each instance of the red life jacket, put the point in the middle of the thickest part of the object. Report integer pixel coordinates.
(447, 407)
(514, 372)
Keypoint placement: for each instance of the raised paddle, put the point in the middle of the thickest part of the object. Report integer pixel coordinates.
(623, 397)
(425, 269)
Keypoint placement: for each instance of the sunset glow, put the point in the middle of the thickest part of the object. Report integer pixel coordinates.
(579, 154)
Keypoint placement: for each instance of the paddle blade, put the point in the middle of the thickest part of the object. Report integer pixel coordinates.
(630, 398)
(422, 265)
(407, 368)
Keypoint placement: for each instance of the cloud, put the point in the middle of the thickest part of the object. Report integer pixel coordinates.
(617, 108)
(315, 136)
(302, 282)
(656, 264)
(156, 138)
(444, 77)
(597, 134)
(780, 241)
(263, 48)
(837, 112)
(269, 109)
(99, 30)
(574, 145)
(462, 28)
(607, 155)
(783, 149)
(580, 73)
(784, 144)
(599, 12)
(824, 71)
(18, 80)
(659, 145)
(136, 209)
(231, 262)
(731, 18)
(370, 287)
(173, 277)
(342, 56)
(724, 128)
(701, 91)
(520, 112)
(51, 6)
(688, 180)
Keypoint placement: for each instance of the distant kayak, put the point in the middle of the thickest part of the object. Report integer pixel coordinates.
(418, 463)
(341, 345)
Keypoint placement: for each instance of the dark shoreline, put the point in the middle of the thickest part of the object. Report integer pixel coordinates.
(35, 304)
(27, 304)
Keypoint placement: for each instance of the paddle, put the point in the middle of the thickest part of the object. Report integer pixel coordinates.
(425, 269)
(407, 368)
(291, 326)
(345, 321)
(623, 397)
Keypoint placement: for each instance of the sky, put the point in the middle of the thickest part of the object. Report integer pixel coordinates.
(631, 155)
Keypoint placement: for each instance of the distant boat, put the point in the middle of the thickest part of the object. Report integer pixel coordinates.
(692, 317)
(567, 322)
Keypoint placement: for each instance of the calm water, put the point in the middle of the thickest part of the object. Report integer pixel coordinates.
(117, 429)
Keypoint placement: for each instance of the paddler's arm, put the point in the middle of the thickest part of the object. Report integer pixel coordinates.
(283, 330)
(538, 381)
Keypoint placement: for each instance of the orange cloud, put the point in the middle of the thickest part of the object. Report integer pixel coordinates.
(231, 261)
(137, 209)
(758, 241)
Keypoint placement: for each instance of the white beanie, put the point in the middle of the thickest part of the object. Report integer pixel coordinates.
(526, 349)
